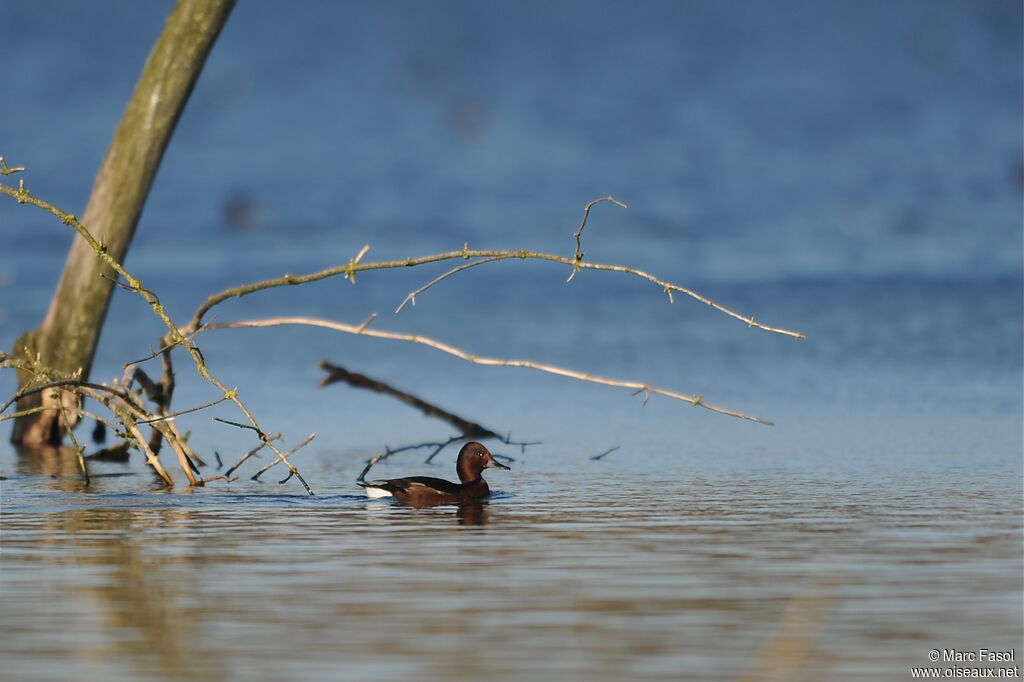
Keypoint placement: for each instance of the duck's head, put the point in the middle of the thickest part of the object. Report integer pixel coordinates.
(473, 459)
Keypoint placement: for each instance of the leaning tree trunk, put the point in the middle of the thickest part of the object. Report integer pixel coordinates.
(66, 341)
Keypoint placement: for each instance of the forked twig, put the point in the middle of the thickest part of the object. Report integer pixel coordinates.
(7, 170)
(577, 255)
(291, 452)
(280, 455)
(251, 452)
(411, 296)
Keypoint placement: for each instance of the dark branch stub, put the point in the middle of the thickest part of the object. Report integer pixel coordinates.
(468, 429)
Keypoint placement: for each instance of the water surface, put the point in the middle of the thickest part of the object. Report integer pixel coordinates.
(850, 170)
(585, 572)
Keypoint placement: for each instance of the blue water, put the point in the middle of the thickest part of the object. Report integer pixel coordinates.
(849, 170)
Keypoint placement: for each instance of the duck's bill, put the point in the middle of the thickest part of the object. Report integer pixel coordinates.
(495, 464)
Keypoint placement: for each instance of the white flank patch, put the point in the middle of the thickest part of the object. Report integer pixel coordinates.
(374, 493)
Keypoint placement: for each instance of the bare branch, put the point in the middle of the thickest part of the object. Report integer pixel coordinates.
(259, 433)
(411, 297)
(151, 458)
(249, 454)
(578, 254)
(267, 441)
(340, 374)
(175, 337)
(298, 447)
(79, 448)
(7, 170)
(697, 401)
(437, 447)
(76, 383)
(170, 417)
(490, 256)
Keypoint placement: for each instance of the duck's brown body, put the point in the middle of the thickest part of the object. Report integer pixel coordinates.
(426, 491)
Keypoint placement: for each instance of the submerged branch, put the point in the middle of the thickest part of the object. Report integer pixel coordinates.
(174, 336)
(291, 452)
(251, 452)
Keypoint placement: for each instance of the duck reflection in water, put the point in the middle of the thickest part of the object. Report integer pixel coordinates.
(473, 513)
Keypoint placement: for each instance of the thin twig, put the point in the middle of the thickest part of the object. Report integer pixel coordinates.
(222, 477)
(29, 411)
(77, 383)
(7, 170)
(696, 401)
(436, 449)
(351, 275)
(291, 452)
(394, 451)
(162, 351)
(280, 455)
(411, 296)
(249, 454)
(241, 426)
(577, 255)
(170, 417)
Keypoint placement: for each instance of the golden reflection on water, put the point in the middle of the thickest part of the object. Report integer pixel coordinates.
(133, 589)
(729, 579)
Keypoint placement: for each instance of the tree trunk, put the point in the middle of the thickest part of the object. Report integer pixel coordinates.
(67, 339)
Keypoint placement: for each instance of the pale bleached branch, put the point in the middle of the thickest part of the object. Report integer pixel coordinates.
(491, 256)
(151, 457)
(695, 400)
(79, 448)
(7, 170)
(251, 452)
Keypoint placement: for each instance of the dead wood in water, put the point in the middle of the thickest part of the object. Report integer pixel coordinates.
(124, 400)
(67, 338)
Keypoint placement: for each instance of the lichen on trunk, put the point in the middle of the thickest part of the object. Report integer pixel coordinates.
(68, 336)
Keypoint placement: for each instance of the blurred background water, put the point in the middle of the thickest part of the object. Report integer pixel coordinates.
(850, 170)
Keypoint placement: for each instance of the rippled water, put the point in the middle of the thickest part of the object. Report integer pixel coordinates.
(592, 574)
(850, 170)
